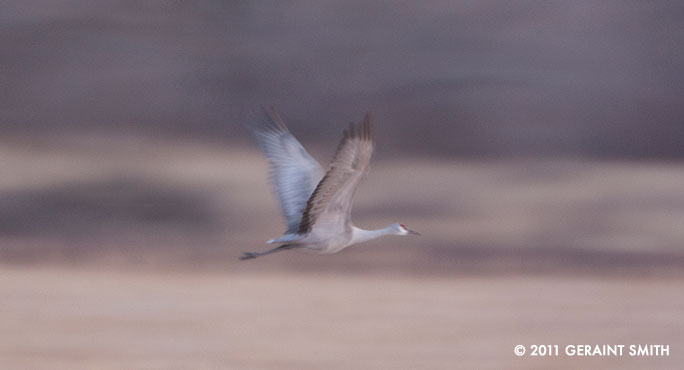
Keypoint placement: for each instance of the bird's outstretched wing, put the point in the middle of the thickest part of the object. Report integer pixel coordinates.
(330, 204)
(294, 173)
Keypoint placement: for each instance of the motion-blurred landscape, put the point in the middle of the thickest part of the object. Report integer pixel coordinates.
(538, 147)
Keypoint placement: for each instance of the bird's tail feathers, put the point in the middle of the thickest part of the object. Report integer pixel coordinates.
(286, 239)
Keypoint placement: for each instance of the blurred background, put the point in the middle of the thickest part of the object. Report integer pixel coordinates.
(538, 146)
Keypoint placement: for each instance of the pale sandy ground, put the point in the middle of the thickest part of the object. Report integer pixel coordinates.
(71, 319)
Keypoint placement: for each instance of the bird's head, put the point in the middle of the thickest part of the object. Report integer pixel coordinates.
(400, 229)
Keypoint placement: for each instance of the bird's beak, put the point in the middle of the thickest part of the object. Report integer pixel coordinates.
(413, 232)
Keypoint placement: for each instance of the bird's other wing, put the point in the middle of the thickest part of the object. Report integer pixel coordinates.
(330, 203)
(294, 173)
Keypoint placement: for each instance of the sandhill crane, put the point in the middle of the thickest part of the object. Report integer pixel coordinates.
(316, 204)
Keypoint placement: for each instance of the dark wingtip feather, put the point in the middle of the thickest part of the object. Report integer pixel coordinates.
(274, 117)
(361, 130)
(367, 126)
(265, 120)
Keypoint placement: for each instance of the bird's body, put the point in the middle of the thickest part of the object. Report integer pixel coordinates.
(317, 204)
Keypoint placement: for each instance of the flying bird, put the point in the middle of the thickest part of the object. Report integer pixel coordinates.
(316, 204)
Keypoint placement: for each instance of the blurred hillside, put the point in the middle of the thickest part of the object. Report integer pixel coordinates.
(575, 78)
(172, 203)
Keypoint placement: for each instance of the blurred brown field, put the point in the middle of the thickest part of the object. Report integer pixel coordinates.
(177, 203)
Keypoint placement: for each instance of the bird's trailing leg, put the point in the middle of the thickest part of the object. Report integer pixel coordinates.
(250, 255)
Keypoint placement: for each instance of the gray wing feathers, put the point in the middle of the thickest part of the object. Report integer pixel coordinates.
(333, 195)
(294, 173)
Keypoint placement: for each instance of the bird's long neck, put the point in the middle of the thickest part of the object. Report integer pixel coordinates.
(361, 235)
